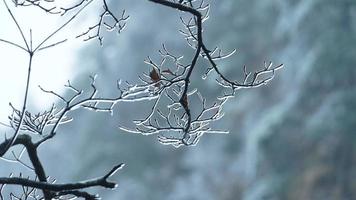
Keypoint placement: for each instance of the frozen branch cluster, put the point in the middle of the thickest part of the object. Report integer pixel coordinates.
(174, 121)
(168, 85)
(107, 19)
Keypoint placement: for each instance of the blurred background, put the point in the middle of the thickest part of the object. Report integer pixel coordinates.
(292, 139)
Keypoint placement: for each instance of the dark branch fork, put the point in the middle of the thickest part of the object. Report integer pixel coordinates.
(186, 129)
(52, 190)
(174, 121)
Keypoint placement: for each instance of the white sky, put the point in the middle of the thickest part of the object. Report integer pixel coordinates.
(51, 68)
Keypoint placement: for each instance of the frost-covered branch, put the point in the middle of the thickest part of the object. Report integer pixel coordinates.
(180, 114)
(174, 121)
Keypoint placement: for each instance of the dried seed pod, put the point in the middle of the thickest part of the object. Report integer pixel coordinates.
(185, 101)
(155, 77)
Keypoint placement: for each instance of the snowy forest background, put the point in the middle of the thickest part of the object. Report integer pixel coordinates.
(293, 139)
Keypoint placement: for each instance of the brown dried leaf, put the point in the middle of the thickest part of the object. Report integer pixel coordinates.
(155, 77)
(185, 101)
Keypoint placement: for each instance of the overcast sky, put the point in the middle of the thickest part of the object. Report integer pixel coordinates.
(51, 68)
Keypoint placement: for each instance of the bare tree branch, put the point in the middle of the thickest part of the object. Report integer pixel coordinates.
(167, 85)
(101, 181)
(187, 129)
